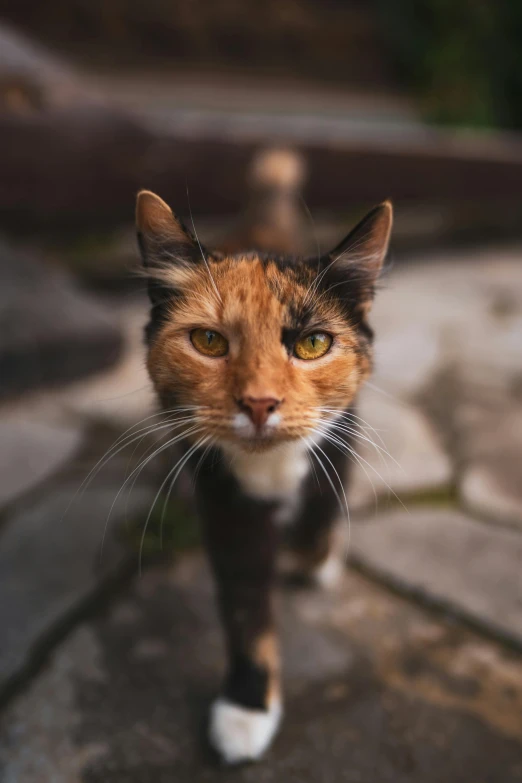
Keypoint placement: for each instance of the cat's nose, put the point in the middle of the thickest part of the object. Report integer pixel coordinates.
(258, 408)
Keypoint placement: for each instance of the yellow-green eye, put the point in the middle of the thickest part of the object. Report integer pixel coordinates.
(209, 342)
(313, 346)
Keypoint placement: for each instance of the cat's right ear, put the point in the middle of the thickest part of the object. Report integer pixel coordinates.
(162, 237)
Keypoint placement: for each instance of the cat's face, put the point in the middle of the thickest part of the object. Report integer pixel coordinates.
(259, 349)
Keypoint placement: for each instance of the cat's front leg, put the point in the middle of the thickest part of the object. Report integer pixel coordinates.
(240, 539)
(319, 534)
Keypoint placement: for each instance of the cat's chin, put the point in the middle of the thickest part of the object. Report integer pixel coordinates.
(259, 443)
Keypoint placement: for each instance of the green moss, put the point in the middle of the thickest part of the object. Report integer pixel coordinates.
(172, 527)
(438, 497)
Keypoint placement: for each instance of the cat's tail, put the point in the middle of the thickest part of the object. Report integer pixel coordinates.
(275, 216)
(277, 170)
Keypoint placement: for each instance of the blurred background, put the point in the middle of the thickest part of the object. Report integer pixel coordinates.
(109, 644)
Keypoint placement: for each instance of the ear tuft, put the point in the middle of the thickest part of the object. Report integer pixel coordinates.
(155, 219)
(162, 237)
(153, 215)
(381, 228)
(166, 246)
(353, 267)
(367, 244)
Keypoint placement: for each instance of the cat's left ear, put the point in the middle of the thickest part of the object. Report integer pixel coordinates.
(358, 259)
(162, 237)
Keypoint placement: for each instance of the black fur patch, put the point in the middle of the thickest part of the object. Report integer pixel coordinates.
(247, 684)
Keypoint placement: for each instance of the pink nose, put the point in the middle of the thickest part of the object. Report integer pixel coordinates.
(259, 409)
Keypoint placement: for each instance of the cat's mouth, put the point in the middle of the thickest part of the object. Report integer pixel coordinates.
(243, 433)
(239, 430)
(246, 431)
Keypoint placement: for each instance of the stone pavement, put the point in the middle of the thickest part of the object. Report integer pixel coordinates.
(412, 671)
(376, 690)
(68, 335)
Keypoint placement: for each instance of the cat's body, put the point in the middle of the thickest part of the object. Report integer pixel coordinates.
(261, 356)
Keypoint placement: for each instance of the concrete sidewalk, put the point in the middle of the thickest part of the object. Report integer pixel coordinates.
(411, 672)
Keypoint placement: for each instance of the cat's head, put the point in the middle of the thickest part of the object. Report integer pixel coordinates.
(259, 349)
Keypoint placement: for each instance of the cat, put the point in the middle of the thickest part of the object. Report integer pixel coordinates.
(261, 353)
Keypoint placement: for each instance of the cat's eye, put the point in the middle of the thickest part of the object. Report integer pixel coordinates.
(313, 346)
(209, 342)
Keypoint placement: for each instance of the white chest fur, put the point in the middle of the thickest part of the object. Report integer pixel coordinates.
(275, 474)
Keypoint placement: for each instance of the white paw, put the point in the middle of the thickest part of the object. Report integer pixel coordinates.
(241, 734)
(329, 573)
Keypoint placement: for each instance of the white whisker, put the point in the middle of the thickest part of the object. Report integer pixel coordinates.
(139, 468)
(167, 498)
(344, 449)
(351, 417)
(122, 441)
(201, 251)
(382, 452)
(385, 393)
(178, 467)
(358, 457)
(348, 520)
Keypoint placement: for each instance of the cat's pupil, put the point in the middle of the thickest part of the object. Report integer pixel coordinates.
(312, 340)
(210, 337)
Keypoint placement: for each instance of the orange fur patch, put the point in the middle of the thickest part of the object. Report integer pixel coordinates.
(266, 655)
(250, 301)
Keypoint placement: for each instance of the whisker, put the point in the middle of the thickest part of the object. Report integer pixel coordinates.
(354, 259)
(313, 469)
(349, 280)
(335, 490)
(137, 436)
(344, 449)
(112, 451)
(314, 229)
(139, 468)
(165, 503)
(351, 416)
(178, 467)
(358, 457)
(354, 429)
(382, 452)
(145, 454)
(385, 393)
(339, 431)
(201, 251)
(201, 459)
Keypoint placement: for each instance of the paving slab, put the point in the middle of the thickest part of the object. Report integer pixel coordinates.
(30, 452)
(449, 332)
(462, 308)
(449, 559)
(123, 394)
(51, 563)
(404, 456)
(489, 431)
(493, 488)
(118, 397)
(376, 690)
(67, 336)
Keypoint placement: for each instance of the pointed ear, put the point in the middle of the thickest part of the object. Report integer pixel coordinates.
(162, 237)
(366, 245)
(353, 267)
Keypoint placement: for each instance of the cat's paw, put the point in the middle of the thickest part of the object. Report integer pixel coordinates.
(241, 734)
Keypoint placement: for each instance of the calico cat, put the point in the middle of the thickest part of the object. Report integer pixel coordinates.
(266, 352)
